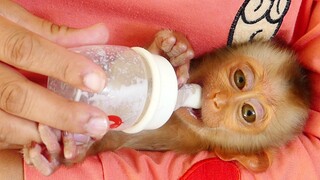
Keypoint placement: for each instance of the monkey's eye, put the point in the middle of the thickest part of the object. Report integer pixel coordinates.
(239, 79)
(248, 113)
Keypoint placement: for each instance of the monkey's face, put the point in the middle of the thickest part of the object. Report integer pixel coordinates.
(251, 97)
(232, 97)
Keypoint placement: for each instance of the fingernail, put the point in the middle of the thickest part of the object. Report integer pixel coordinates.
(81, 139)
(172, 40)
(68, 154)
(181, 81)
(69, 148)
(190, 54)
(183, 47)
(97, 127)
(94, 82)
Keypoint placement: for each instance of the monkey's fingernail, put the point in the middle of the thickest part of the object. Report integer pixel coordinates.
(182, 81)
(68, 154)
(168, 43)
(69, 145)
(190, 54)
(97, 127)
(171, 40)
(182, 47)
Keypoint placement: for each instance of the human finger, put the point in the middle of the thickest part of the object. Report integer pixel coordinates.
(26, 50)
(4, 145)
(63, 35)
(16, 131)
(23, 98)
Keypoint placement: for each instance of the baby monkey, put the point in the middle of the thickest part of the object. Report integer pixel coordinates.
(255, 98)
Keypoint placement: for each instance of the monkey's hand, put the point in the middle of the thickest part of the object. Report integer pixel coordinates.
(175, 47)
(57, 148)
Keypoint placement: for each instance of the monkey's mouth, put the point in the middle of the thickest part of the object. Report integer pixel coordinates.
(196, 113)
(190, 115)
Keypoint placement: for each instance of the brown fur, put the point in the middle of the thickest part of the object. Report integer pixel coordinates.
(279, 84)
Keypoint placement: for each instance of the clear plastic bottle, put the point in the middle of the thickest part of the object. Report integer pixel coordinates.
(141, 91)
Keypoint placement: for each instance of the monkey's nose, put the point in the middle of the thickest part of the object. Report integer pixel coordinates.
(220, 100)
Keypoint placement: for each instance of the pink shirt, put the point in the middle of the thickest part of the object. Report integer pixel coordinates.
(208, 24)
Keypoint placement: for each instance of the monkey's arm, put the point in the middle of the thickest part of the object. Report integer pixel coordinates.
(174, 135)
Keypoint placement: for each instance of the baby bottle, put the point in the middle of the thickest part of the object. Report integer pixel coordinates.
(141, 90)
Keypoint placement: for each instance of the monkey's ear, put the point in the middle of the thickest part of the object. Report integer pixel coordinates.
(257, 162)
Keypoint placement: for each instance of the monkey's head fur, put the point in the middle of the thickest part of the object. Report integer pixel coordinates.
(255, 96)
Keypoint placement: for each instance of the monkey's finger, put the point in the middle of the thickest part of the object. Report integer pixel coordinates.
(69, 37)
(177, 49)
(163, 42)
(182, 58)
(167, 44)
(40, 162)
(183, 74)
(72, 142)
(50, 139)
(26, 154)
(69, 146)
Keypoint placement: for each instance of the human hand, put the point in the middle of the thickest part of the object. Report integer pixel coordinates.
(176, 47)
(33, 44)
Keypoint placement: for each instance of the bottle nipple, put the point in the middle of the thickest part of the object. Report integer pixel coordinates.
(189, 95)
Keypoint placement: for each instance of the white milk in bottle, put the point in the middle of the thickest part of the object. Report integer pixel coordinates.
(141, 90)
